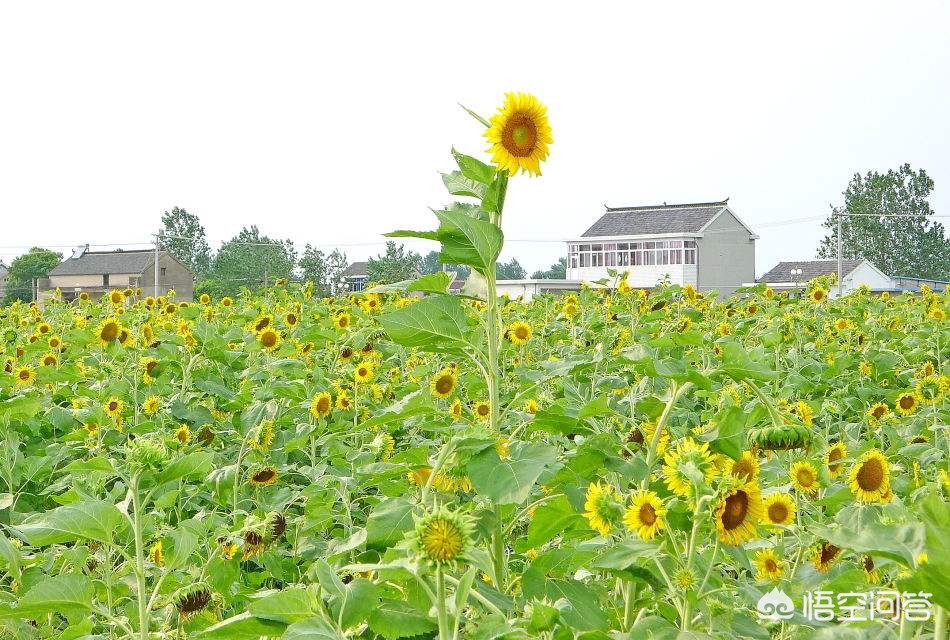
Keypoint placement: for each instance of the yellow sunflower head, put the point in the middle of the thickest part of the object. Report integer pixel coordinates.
(768, 566)
(870, 477)
(114, 407)
(363, 372)
(804, 476)
(778, 509)
(825, 555)
(519, 332)
(482, 409)
(818, 294)
(907, 403)
(183, 434)
(602, 508)
(321, 405)
(151, 405)
(738, 514)
(688, 454)
(269, 338)
(746, 468)
(520, 134)
(836, 452)
(443, 384)
(24, 375)
(645, 514)
(108, 331)
(443, 537)
(342, 320)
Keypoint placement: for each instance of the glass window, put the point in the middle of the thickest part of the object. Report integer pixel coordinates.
(623, 259)
(585, 259)
(596, 247)
(610, 259)
(623, 246)
(585, 247)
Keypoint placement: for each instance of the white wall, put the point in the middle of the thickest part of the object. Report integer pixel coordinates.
(865, 274)
(643, 275)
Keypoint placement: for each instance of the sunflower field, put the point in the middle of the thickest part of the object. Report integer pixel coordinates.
(412, 463)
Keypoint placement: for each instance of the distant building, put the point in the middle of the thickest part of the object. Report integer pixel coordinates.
(910, 283)
(792, 276)
(527, 289)
(4, 274)
(98, 272)
(702, 244)
(354, 277)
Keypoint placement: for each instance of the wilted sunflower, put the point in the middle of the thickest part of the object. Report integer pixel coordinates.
(443, 384)
(778, 509)
(482, 409)
(738, 514)
(645, 514)
(263, 477)
(108, 331)
(768, 566)
(442, 537)
(804, 476)
(519, 332)
(183, 435)
(602, 508)
(871, 573)
(836, 452)
(825, 555)
(520, 134)
(151, 405)
(870, 477)
(269, 338)
(192, 599)
(114, 407)
(687, 453)
(321, 405)
(24, 375)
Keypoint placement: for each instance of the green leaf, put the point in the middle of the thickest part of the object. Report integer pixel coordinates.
(738, 364)
(313, 629)
(180, 543)
(388, 523)
(549, 520)
(474, 169)
(459, 185)
(437, 282)
(901, 543)
(70, 595)
(509, 480)
(467, 240)
(91, 519)
(358, 603)
(584, 612)
(433, 324)
(244, 626)
(411, 404)
(599, 406)
(21, 408)
(92, 464)
(730, 433)
(193, 465)
(289, 605)
(327, 577)
(395, 619)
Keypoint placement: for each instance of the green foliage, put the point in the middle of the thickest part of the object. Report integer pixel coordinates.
(557, 271)
(36, 263)
(914, 246)
(251, 260)
(396, 264)
(511, 270)
(184, 237)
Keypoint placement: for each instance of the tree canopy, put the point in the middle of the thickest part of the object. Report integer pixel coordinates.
(396, 264)
(184, 237)
(35, 263)
(557, 271)
(252, 260)
(511, 270)
(912, 245)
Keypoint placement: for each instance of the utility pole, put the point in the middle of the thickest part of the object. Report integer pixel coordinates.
(158, 238)
(840, 283)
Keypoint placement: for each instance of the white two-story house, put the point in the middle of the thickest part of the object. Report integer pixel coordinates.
(704, 244)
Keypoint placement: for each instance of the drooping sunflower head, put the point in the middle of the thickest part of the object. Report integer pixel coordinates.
(645, 514)
(275, 524)
(443, 384)
(768, 566)
(520, 134)
(870, 477)
(778, 509)
(804, 476)
(192, 598)
(263, 477)
(738, 514)
(602, 508)
(519, 332)
(261, 322)
(836, 452)
(321, 405)
(443, 536)
(825, 555)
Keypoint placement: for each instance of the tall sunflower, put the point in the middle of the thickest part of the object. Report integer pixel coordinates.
(601, 508)
(645, 514)
(688, 453)
(738, 513)
(520, 134)
(870, 477)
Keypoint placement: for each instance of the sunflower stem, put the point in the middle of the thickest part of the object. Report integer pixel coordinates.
(629, 604)
(137, 526)
(940, 623)
(444, 631)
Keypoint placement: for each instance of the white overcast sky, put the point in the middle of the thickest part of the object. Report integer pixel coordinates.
(327, 122)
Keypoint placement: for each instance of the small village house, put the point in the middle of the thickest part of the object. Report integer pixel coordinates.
(794, 276)
(98, 272)
(703, 244)
(4, 275)
(354, 277)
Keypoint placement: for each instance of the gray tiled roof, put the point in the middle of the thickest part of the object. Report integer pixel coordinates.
(355, 269)
(102, 262)
(664, 218)
(782, 272)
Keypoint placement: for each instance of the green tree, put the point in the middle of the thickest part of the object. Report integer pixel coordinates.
(396, 264)
(184, 237)
(252, 260)
(913, 246)
(558, 271)
(336, 265)
(36, 263)
(510, 270)
(313, 267)
(431, 264)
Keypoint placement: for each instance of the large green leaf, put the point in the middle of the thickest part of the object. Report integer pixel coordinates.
(460, 185)
(290, 605)
(509, 480)
(394, 619)
(388, 523)
(468, 240)
(433, 324)
(550, 519)
(91, 519)
(70, 595)
(739, 365)
(192, 465)
(437, 282)
(313, 629)
(358, 602)
(902, 543)
(474, 169)
(244, 626)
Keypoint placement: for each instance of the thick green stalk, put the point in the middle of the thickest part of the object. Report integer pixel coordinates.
(137, 525)
(940, 623)
(629, 605)
(444, 631)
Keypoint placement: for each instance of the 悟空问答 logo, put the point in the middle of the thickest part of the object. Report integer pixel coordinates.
(775, 605)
